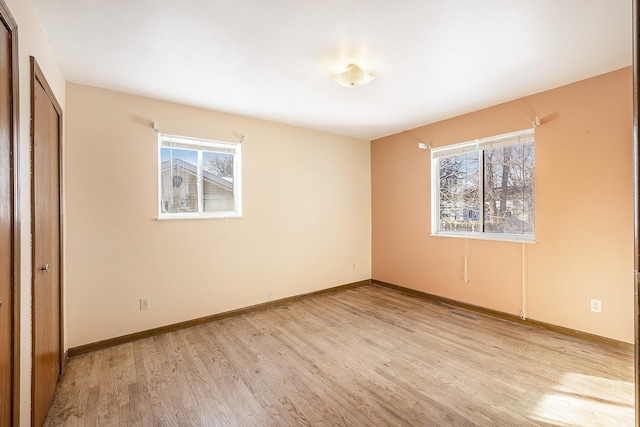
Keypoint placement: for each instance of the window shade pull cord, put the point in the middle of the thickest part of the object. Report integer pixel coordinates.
(523, 313)
(466, 260)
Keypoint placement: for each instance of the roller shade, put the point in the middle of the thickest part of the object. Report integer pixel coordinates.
(185, 143)
(504, 140)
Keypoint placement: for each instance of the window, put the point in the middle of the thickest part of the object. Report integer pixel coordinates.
(198, 178)
(485, 188)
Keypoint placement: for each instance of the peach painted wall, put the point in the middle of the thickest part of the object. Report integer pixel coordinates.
(306, 222)
(584, 211)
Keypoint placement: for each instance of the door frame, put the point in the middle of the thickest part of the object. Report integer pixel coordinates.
(7, 18)
(636, 201)
(37, 77)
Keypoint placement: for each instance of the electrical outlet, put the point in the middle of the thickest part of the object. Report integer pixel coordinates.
(354, 266)
(270, 295)
(144, 303)
(596, 305)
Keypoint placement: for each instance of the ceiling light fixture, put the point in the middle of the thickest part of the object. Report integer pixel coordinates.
(353, 76)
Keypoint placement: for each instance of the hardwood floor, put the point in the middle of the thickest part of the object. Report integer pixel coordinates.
(362, 357)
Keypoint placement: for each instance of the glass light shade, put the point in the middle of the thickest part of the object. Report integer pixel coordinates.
(352, 77)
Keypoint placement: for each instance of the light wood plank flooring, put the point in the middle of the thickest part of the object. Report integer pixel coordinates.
(369, 356)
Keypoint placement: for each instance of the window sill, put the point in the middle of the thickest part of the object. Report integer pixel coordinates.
(514, 238)
(201, 216)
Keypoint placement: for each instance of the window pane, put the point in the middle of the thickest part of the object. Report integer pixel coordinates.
(508, 189)
(459, 193)
(218, 182)
(179, 180)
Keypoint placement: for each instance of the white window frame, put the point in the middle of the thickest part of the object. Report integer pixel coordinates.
(200, 146)
(478, 145)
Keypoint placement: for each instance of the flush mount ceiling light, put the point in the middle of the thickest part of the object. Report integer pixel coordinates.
(353, 76)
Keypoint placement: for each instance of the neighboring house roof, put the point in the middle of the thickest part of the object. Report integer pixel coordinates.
(207, 176)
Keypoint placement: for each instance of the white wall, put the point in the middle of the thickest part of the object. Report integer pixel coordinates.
(32, 41)
(306, 217)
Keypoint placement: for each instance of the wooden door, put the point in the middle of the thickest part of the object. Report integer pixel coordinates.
(6, 224)
(47, 343)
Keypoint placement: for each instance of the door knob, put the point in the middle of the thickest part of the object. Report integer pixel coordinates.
(45, 268)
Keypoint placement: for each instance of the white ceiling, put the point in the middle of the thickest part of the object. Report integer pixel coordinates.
(271, 59)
